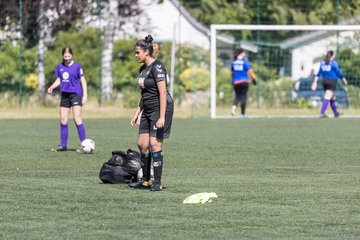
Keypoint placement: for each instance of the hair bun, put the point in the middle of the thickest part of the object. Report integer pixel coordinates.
(149, 38)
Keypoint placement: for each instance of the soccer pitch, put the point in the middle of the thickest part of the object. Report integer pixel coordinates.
(275, 179)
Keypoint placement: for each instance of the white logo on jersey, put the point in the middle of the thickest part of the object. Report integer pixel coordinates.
(326, 68)
(159, 68)
(65, 75)
(81, 71)
(141, 82)
(61, 69)
(238, 67)
(161, 75)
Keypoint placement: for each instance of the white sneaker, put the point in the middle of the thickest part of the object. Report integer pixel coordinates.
(242, 115)
(233, 110)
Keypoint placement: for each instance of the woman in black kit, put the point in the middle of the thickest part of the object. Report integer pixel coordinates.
(157, 109)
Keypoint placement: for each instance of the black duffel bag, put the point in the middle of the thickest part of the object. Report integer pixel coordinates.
(123, 167)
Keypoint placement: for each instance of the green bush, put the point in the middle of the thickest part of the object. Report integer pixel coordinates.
(224, 88)
(354, 96)
(131, 97)
(125, 65)
(272, 93)
(195, 79)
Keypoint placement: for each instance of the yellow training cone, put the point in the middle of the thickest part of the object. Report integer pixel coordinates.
(200, 198)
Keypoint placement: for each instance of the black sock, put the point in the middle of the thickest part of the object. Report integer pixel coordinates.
(146, 160)
(158, 165)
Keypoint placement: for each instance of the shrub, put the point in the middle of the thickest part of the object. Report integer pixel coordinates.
(31, 81)
(195, 78)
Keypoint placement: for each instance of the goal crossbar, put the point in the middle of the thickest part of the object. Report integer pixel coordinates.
(215, 27)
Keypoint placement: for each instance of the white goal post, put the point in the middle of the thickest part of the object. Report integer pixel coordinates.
(217, 27)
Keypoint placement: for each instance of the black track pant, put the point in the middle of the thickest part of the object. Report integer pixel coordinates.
(240, 95)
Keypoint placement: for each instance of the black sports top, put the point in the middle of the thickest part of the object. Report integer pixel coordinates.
(148, 78)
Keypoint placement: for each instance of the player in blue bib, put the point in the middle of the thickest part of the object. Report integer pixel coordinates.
(240, 69)
(330, 72)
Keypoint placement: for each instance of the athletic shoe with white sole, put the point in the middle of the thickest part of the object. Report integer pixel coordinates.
(59, 149)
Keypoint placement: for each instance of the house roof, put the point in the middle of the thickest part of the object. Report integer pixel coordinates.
(198, 26)
(312, 36)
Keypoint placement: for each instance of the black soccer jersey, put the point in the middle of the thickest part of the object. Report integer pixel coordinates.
(148, 78)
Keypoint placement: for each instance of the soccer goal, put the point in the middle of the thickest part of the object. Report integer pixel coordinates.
(284, 58)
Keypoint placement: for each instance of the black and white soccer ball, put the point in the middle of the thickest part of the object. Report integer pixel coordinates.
(87, 146)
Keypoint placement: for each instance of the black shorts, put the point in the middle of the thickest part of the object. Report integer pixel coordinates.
(70, 99)
(329, 84)
(148, 122)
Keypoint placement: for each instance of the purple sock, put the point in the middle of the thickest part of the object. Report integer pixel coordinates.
(333, 106)
(324, 106)
(64, 132)
(81, 132)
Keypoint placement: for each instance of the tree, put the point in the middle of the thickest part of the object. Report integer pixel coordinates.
(110, 17)
(272, 12)
(41, 50)
(116, 14)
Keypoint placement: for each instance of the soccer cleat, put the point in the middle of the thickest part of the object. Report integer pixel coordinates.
(141, 184)
(59, 149)
(156, 187)
(323, 116)
(242, 115)
(338, 114)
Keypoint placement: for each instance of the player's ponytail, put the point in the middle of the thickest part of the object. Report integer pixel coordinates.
(155, 49)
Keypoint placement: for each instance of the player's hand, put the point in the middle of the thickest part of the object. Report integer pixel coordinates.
(133, 120)
(50, 90)
(84, 100)
(345, 88)
(314, 86)
(254, 82)
(160, 123)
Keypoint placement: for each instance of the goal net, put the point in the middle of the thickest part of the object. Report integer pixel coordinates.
(285, 58)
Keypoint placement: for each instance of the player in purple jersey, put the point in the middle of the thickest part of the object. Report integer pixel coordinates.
(157, 109)
(69, 76)
(330, 72)
(240, 69)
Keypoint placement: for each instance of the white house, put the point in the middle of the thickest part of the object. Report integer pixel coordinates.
(309, 49)
(169, 20)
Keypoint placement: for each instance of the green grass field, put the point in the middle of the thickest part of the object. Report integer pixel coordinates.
(275, 178)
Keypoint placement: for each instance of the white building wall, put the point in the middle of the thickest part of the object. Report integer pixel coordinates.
(164, 19)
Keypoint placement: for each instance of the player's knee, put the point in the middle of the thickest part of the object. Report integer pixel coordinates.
(77, 119)
(63, 120)
(155, 146)
(142, 146)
